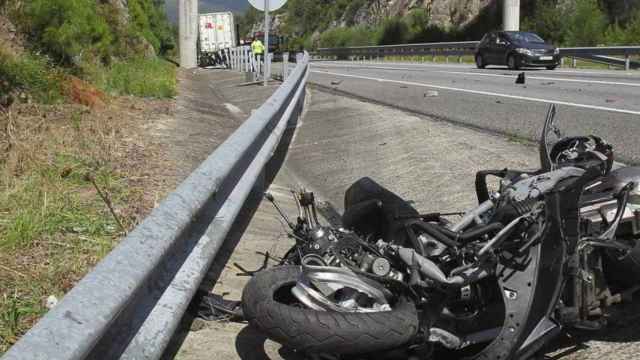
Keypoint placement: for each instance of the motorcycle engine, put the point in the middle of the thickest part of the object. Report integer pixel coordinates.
(330, 247)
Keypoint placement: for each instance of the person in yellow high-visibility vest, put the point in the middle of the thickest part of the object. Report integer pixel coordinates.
(257, 48)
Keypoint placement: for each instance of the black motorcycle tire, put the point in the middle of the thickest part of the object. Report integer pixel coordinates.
(313, 331)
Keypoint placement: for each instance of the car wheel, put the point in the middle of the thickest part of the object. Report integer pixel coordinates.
(552, 67)
(480, 62)
(512, 62)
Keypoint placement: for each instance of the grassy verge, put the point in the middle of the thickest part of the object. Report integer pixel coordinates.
(52, 224)
(139, 77)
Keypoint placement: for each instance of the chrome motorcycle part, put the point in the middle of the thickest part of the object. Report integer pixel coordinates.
(381, 267)
(432, 271)
(313, 260)
(454, 342)
(338, 289)
(472, 215)
(536, 186)
(432, 247)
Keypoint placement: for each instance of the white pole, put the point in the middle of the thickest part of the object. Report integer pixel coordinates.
(511, 15)
(188, 32)
(266, 42)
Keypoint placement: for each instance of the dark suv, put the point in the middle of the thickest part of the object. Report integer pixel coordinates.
(516, 49)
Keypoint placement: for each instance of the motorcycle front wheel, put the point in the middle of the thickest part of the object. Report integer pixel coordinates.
(268, 305)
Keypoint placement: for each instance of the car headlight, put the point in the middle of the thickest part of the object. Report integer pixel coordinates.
(524, 51)
(556, 51)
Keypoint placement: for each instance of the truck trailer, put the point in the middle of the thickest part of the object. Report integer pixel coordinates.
(217, 32)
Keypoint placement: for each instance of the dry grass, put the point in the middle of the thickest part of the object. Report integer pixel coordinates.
(53, 225)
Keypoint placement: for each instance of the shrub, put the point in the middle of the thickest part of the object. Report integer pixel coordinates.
(393, 31)
(348, 36)
(432, 33)
(417, 22)
(32, 74)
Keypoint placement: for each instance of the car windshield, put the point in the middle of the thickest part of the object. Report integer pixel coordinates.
(525, 37)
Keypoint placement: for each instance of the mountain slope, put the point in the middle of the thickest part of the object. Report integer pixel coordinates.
(208, 6)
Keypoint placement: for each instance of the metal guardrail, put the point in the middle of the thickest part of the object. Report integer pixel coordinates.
(423, 49)
(627, 63)
(460, 49)
(131, 303)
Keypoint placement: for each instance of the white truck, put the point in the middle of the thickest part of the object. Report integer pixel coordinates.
(217, 31)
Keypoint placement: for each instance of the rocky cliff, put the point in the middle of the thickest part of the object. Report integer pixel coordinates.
(444, 13)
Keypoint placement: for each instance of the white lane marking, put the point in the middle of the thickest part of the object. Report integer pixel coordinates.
(544, 78)
(463, 66)
(234, 110)
(600, 82)
(487, 93)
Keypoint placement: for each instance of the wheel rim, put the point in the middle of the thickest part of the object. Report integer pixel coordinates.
(318, 286)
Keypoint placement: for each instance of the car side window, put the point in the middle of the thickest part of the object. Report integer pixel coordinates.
(491, 40)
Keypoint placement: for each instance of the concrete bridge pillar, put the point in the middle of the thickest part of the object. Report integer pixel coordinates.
(188, 33)
(511, 15)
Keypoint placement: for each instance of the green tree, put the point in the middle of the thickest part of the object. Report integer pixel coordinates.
(632, 29)
(70, 30)
(549, 21)
(587, 24)
(149, 20)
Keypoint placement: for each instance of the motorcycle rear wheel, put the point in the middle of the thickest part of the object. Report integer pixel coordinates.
(269, 306)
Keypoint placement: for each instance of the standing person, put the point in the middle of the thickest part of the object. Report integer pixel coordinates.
(257, 48)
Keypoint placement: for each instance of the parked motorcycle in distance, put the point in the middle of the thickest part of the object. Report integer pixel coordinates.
(547, 249)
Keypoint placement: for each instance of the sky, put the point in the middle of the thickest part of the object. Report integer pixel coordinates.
(208, 6)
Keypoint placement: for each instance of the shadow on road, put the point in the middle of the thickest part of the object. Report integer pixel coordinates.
(250, 345)
(235, 234)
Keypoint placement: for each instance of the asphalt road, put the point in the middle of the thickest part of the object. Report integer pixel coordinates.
(337, 141)
(604, 103)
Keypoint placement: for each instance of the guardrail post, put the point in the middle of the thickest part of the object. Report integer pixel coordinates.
(239, 59)
(285, 66)
(433, 57)
(446, 59)
(562, 62)
(234, 58)
(627, 62)
(460, 59)
(267, 67)
(243, 65)
(248, 52)
(259, 65)
(574, 63)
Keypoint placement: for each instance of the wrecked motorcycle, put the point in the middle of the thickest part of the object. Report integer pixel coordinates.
(546, 249)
